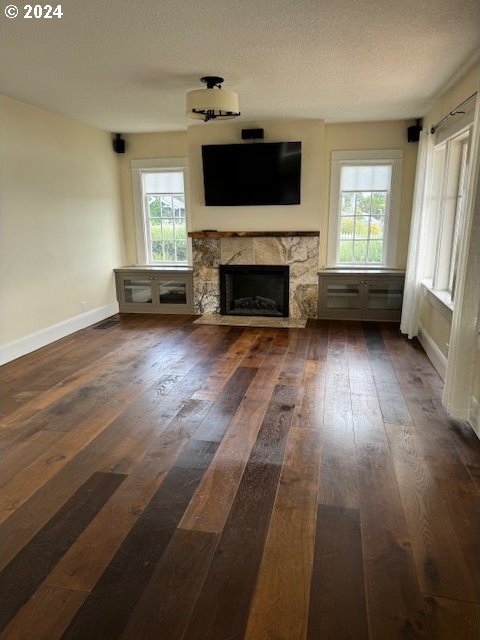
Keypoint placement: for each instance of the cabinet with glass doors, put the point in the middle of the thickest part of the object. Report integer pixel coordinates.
(154, 289)
(353, 294)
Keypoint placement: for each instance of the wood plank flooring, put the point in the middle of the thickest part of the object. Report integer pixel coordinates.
(164, 480)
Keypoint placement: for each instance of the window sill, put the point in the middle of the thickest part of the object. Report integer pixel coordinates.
(373, 270)
(169, 265)
(440, 300)
(157, 267)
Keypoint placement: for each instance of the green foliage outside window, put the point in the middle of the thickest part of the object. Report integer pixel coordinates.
(168, 231)
(362, 226)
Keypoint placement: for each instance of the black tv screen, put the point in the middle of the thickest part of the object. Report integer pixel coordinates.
(259, 173)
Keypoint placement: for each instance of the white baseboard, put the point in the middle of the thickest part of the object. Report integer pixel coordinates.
(475, 416)
(436, 357)
(20, 347)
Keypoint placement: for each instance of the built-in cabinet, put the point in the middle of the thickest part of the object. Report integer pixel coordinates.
(361, 295)
(154, 289)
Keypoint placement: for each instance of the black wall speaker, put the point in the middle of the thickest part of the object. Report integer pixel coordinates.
(252, 134)
(413, 132)
(118, 143)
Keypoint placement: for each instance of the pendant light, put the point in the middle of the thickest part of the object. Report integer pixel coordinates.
(213, 102)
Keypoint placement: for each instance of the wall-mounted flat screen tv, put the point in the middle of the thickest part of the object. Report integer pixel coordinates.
(259, 173)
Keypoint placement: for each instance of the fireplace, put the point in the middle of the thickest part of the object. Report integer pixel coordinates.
(296, 249)
(254, 290)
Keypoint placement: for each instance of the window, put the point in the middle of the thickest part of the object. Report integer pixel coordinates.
(364, 200)
(161, 212)
(449, 187)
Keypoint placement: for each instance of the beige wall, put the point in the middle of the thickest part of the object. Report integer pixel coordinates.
(61, 219)
(436, 324)
(429, 315)
(144, 146)
(305, 216)
(453, 95)
(318, 141)
(373, 135)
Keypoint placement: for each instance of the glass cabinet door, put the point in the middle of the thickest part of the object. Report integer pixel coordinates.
(172, 292)
(385, 295)
(342, 295)
(137, 291)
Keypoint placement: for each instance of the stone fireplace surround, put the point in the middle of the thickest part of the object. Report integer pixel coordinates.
(298, 249)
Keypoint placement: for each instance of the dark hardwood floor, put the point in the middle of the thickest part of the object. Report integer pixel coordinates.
(166, 480)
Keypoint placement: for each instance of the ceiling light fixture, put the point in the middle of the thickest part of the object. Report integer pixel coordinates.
(213, 102)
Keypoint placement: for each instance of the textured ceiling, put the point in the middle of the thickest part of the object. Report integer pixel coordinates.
(125, 65)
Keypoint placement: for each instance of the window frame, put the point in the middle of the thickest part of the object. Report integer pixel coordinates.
(392, 157)
(142, 233)
(444, 212)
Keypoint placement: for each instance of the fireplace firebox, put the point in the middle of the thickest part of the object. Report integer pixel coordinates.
(254, 290)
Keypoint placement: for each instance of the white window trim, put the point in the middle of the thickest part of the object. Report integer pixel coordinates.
(339, 158)
(141, 232)
(463, 126)
(458, 125)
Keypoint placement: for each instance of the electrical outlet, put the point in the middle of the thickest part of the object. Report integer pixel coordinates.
(83, 306)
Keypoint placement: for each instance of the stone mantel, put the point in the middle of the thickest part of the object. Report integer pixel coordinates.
(207, 233)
